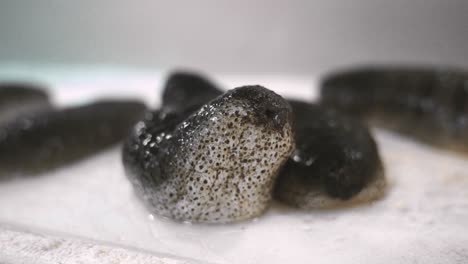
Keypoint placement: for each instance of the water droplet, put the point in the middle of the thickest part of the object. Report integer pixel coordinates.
(147, 140)
(139, 127)
(297, 158)
(309, 161)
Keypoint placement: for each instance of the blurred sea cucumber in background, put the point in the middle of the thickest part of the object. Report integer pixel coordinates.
(38, 141)
(429, 104)
(17, 98)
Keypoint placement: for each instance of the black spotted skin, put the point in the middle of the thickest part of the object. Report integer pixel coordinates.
(37, 142)
(219, 164)
(337, 176)
(336, 161)
(428, 104)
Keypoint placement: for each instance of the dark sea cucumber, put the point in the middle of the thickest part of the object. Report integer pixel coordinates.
(40, 141)
(17, 98)
(217, 165)
(427, 103)
(184, 89)
(336, 161)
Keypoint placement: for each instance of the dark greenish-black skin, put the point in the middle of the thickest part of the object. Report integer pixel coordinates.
(37, 142)
(215, 164)
(17, 98)
(335, 156)
(428, 104)
(185, 90)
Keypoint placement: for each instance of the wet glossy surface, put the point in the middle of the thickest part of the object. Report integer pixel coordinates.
(428, 104)
(216, 166)
(17, 98)
(334, 160)
(36, 142)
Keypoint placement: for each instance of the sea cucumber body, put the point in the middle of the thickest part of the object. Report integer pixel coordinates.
(19, 98)
(217, 165)
(336, 161)
(36, 142)
(428, 104)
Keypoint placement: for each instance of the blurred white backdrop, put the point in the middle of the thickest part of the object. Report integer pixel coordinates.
(243, 36)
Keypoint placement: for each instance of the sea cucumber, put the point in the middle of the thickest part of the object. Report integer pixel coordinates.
(336, 161)
(184, 89)
(17, 98)
(427, 104)
(219, 164)
(36, 142)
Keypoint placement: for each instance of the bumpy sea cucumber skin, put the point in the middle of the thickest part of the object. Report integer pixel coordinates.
(37, 142)
(17, 98)
(335, 163)
(218, 165)
(326, 139)
(428, 104)
(185, 89)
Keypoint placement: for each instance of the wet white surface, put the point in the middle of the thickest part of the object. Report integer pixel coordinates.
(25, 247)
(422, 219)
